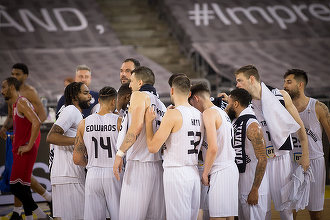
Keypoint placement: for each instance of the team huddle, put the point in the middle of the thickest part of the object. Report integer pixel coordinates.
(230, 156)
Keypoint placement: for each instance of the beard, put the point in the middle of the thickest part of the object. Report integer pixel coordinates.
(294, 94)
(84, 104)
(6, 96)
(126, 79)
(231, 113)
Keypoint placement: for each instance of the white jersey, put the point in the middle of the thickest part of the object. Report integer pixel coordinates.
(226, 153)
(139, 150)
(182, 147)
(63, 170)
(314, 133)
(246, 179)
(100, 138)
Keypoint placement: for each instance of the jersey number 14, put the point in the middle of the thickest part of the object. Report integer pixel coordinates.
(103, 146)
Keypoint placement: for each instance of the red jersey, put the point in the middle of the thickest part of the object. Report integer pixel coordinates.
(22, 165)
(23, 133)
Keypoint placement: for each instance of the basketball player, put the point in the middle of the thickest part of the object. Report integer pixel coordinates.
(20, 71)
(315, 116)
(96, 139)
(126, 69)
(142, 195)
(251, 159)
(182, 131)
(68, 179)
(125, 77)
(124, 96)
(25, 146)
(220, 171)
(277, 123)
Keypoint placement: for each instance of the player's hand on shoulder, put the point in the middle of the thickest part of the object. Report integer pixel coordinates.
(224, 96)
(170, 107)
(150, 114)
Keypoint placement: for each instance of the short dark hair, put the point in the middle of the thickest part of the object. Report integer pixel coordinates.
(107, 93)
(124, 89)
(145, 74)
(248, 70)
(170, 80)
(242, 96)
(12, 81)
(299, 75)
(22, 67)
(182, 83)
(71, 92)
(135, 61)
(198, 88)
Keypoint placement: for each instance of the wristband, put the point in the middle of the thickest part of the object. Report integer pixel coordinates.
(120, 153)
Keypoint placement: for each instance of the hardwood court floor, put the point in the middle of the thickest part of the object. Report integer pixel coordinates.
(302, 214)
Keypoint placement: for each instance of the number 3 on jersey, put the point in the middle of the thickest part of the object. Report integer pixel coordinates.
(193, 143)
(103, 146)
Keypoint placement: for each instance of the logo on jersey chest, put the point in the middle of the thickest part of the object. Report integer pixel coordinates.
(297, 156)
(311, 134)
(270, 151)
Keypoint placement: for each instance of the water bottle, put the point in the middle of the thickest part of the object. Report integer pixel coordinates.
(44, 102)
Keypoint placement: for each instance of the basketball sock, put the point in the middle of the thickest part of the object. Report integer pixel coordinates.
(29, 217)
(47, 196)
(39, 213)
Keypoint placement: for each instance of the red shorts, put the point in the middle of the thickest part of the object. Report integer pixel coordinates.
(23, 165)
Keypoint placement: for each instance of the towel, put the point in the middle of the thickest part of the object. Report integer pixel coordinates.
(296, 193)
(279, 121)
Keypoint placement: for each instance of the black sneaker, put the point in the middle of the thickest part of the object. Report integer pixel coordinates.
(47, 218)
(16, 216)
(50, 205)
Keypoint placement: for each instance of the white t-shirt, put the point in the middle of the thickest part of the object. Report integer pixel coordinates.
(63, 170)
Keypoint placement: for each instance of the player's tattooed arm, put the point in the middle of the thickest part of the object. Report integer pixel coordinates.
(255, 135)
(79, 146)
(56, 136)
(323, 115)
(80, 152)
(129, 140)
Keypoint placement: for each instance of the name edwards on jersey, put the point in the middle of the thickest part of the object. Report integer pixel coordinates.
(90, 128)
